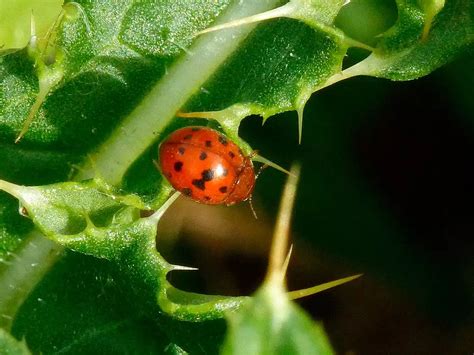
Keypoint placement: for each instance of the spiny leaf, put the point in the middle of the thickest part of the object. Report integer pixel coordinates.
(418, 44)
(87, 219)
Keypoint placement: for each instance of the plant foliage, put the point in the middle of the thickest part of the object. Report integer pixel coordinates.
(83, 106)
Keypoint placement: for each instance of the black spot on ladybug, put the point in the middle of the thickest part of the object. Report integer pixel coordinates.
(195, 129)
(181, 150)
(207, 175)
(188, 136)
(208, 144)
(203, 156)
(178, 166)
(231, 155)
(223, 189)
(223, 140)
(186, 191)
(200, 184)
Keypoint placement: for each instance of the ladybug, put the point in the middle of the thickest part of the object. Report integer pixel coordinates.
(206, 166)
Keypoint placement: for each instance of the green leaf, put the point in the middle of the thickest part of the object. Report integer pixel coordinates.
(271, 324)
(427, 35)
(83, 306)
(10, 346)
(12, 228)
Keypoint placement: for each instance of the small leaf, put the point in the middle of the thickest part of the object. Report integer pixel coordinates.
(270, 324)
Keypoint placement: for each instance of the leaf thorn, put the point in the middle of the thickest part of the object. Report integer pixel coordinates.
(282, 11)
(183, 268)
(263, 160)
(293, 295)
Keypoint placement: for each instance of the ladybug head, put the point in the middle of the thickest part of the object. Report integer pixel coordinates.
(244, 184)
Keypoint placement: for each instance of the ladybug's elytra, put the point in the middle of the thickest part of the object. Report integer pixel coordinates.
(206, 166)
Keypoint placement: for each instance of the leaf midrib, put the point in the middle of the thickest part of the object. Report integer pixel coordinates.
(143, 125)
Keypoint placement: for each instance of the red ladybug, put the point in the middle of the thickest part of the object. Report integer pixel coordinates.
(206, 166)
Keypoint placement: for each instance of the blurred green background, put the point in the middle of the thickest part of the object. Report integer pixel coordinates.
(15, 17)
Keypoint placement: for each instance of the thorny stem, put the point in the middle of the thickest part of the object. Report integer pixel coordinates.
(279, 249)
(279, 253)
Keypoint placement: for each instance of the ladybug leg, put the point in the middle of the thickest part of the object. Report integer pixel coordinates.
(264, 166)
(252, 208)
